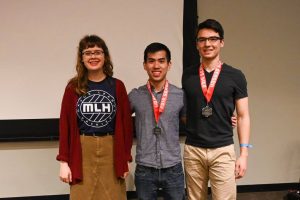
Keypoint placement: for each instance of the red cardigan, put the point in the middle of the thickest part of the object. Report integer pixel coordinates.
(69, 136)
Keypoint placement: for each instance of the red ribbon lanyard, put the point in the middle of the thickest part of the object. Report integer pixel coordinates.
(159, 109)
(208, 92)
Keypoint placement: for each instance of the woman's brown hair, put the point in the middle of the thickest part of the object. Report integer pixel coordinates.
(80, 81)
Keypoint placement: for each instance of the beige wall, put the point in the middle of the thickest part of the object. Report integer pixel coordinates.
(262, 39)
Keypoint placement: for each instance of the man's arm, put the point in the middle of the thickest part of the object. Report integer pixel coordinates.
(243, 129)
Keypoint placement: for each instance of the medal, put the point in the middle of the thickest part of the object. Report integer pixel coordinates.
(207, 111)
(158, 109)
(156, 130)
(208, 92)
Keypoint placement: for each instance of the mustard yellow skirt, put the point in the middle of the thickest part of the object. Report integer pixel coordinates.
(99, 178)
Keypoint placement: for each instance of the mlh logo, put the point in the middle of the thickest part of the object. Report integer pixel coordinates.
(97, 108)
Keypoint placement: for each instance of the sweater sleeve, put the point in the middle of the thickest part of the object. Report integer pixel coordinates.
(64, 125)
(127, 122)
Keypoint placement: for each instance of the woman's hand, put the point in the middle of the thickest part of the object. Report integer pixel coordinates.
(125, 173)
(65, 174)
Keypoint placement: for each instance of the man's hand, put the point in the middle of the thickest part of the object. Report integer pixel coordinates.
(240, 167)
(233, 121)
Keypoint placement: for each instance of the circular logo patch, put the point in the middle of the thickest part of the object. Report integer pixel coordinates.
(97, 108)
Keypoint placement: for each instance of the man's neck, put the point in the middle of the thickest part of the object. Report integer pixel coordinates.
(158, 86)
(210, 65)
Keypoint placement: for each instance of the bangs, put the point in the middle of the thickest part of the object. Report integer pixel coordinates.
(91, 44)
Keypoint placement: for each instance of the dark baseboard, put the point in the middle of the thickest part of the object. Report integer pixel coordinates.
(268, 187)
(132, 194)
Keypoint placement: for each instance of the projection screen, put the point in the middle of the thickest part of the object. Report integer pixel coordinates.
(39, 39)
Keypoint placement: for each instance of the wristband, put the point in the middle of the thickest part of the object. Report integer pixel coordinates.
(246, 145)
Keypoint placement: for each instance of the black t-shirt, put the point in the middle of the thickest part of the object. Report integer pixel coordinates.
(97, 109)
(216, 130)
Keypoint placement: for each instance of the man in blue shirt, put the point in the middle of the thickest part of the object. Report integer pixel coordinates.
(158, 106)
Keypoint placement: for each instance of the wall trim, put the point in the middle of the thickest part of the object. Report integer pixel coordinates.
(29, 130)
(20, 130)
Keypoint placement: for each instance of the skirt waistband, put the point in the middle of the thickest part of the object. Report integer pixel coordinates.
(97, 134)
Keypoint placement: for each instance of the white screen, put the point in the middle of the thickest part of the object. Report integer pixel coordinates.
(39, 39)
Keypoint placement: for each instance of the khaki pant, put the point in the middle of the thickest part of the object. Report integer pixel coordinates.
(99, 178)
(216, 165)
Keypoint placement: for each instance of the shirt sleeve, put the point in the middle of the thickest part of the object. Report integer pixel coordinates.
(183, 109)
(240, 86)
(131, 97)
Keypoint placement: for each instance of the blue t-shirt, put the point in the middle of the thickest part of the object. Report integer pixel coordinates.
(96, 110)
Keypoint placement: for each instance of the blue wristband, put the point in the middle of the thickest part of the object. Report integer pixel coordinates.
(246, 145)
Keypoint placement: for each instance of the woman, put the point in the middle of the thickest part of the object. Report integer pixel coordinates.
(95, 127)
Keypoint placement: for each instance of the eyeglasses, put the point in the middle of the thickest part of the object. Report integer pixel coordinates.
(212, 39)
(96, 53)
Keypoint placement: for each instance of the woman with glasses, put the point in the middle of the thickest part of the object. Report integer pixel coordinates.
(95, 127)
